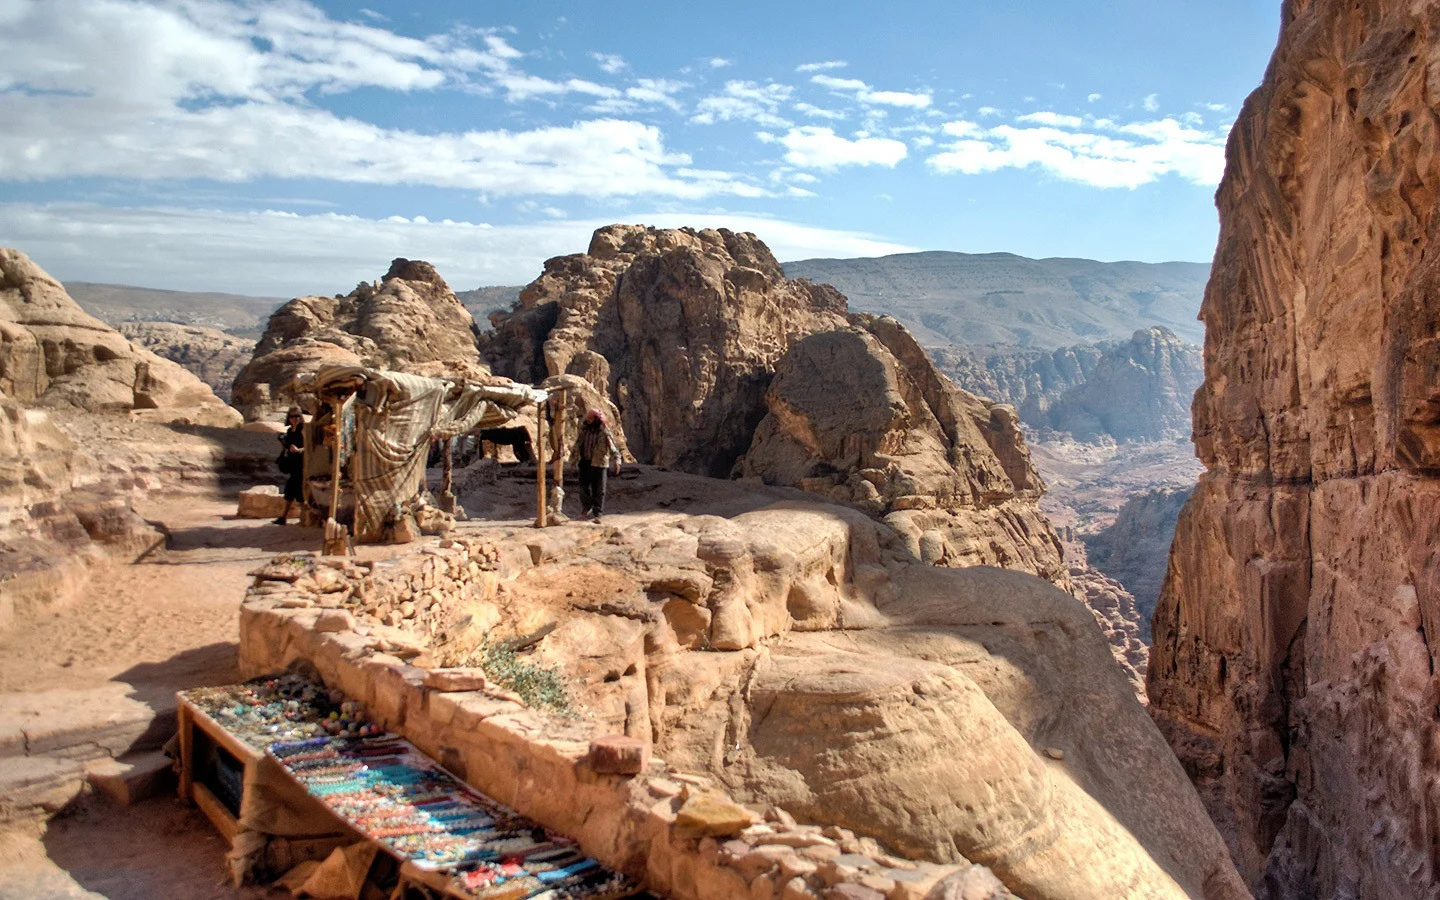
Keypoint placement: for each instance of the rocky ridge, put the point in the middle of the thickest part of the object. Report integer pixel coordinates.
(1135, 390)
(1135, 549)
(408, 321)
(721, 365)
(214, 357)
(1294, 659)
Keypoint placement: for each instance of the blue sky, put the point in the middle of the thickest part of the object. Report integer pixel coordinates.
(294, 147)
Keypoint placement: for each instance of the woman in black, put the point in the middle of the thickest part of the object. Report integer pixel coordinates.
(292, 460)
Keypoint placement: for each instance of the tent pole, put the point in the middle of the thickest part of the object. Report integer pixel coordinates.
(540, 464)
(334, 539)
(447, 462)
(557, 438)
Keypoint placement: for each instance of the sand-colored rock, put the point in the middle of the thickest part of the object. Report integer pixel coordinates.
(208, 353)
(862, 416)
(1294, 664)
(408, 321)
(680, 328)
(54, 354)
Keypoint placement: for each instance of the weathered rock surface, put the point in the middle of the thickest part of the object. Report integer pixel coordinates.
(54, 354)
(409, 321)
(1135, 390)
(862, 416)
(210, 355)
(697, 336)
(1294, 660)
(835, 677)
(681, 328)
(1114, 608)
(1135, 549)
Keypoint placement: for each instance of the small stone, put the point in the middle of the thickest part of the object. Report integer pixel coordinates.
(779, 816)
(334, 620)
(852, 892)
(618, 754)
(796, 889)
(296, 603)
(1054, 753)
(456, 679)
(711, 814)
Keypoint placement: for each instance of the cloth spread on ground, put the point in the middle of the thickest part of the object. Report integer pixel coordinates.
(396, 418)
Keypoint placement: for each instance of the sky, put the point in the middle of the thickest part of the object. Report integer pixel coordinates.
(290, 147)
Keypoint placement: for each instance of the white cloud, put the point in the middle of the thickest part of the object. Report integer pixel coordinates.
(745, 101)
(1217, 107)
(1051, 118)
(719, 62)
(822, 66)
(188, 249)
(1152, 102)
(816, 112)
(866, 95)
(205, 89)
(611, 63)
(1097, 152)
(988, 111)
(811, 147)
(1091, 98)
(645, 92)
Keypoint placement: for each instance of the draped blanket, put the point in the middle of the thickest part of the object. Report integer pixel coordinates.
(396, 416)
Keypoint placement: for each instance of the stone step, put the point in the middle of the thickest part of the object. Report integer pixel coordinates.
(82, 724)
(133, 777)
(33, 786)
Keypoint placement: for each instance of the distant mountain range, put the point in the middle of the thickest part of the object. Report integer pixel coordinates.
(1001, 298)
(235, 313)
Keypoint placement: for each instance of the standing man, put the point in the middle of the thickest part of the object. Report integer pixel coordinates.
(595, 452)
(292, 460)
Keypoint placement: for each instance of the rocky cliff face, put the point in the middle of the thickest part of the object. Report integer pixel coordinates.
(1135, 549)
(1294, 658)
(54, 354)
(1135, 390)
(409, 321)
(210, 355)
(681, 328)
(711, 353)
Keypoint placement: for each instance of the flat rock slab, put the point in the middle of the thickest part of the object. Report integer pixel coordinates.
(81, 724)
(35, 785)
(133, 777)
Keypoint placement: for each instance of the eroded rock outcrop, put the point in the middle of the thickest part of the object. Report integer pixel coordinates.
(681, 328)
(409, 321)
(1294, 658)
(209, 354)
(862, 416)
(1135, 549)
(54, 354)
(711, 354)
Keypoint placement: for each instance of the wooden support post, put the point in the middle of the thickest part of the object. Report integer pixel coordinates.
(336, 538)
(540, 465)
(557, 441)
(447, 469)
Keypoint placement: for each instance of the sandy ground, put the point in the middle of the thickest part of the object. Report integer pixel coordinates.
(163, 624)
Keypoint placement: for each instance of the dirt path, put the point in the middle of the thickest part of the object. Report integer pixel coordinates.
(149, 629)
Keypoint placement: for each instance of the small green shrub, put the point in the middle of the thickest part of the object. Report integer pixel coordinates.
(539, 686)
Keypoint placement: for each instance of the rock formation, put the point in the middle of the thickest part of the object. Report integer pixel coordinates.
(681, 328)
(409, 321)
(210, 355)
(686, 331)
(1294, 659)
(1135, 549)
(862, 416)
(1114, 608)
(1135, 390)
(53, 354)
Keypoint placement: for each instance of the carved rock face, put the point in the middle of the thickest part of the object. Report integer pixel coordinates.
(1292, 666)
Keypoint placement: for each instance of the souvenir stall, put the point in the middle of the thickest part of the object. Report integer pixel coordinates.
(321, 797)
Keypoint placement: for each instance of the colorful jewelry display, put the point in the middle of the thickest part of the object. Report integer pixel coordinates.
(287, 708)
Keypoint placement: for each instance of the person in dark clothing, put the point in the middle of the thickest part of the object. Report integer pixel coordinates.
(595, 452)
(292, 460)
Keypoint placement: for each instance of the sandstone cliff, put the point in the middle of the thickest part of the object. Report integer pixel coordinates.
(1294, 658)
(210, 355)
(54, 354)
(1135, 390)
(409, 321)
(711, 354)
(1134, 550)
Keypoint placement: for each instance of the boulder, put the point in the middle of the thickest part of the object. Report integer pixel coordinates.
(261, 502)
(53, 353)
(408, 321)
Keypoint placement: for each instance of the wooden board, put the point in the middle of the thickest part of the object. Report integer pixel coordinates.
(215, 811)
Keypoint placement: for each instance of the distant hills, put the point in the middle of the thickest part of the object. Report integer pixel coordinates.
(1001, 298)
(235, 313)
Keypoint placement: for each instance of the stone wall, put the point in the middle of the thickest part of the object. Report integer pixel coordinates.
(685, 837)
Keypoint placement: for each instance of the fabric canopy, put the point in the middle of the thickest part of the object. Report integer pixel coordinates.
(396, 418)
